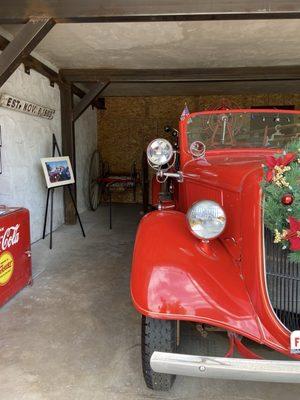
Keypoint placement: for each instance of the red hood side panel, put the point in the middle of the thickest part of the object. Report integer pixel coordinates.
(174, 278)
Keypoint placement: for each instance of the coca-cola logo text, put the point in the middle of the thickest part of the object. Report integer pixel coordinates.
(10, 237)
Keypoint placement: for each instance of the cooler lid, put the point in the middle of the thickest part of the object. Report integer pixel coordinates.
(4, 210)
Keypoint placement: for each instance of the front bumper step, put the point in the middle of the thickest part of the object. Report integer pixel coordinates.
(226, 368)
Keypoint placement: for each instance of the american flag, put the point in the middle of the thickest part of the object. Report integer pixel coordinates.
(185, 112)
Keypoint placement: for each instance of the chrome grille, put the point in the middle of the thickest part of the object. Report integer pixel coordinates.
(283, 282)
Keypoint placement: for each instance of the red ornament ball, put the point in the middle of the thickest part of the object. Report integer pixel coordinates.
(287, 199)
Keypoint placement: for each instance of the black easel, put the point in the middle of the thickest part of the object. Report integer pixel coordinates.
(51, 191)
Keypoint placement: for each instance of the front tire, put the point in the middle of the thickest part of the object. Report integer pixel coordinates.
(157, 335)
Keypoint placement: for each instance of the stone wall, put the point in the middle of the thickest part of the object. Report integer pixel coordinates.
(26, 138)
(129, 123)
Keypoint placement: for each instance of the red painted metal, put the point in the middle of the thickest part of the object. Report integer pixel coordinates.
(15, 256)
(231, 347)
(235, 342)
(243, 350)
(176, 276)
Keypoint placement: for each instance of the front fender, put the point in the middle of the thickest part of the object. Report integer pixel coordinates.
(176, 276)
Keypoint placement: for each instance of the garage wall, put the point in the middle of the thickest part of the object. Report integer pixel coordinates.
(25, 139)
(129, 123)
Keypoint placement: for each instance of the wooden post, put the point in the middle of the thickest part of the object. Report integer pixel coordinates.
(68, 146)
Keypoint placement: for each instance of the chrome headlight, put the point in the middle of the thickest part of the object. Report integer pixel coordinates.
(159, 152)
(207, 219)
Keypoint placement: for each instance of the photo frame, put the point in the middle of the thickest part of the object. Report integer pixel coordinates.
(58, 171)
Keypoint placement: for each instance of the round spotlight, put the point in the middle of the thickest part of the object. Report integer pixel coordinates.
(159, 152)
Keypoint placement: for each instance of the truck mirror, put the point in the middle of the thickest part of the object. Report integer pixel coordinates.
(172, 131)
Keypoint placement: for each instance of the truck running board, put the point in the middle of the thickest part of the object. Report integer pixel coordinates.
(226, 368)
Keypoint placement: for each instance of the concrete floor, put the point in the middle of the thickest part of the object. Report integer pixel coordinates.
(75, 335)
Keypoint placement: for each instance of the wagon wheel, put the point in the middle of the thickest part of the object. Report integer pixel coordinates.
(134, 178)
(95, 172)
(145, 183)
(104, 187)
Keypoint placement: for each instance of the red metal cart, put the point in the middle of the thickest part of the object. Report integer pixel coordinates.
(102, 182)
(15, 252)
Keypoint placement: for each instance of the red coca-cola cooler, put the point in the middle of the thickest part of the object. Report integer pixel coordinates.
(15, 253)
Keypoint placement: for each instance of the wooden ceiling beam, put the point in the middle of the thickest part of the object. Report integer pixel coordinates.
(78, 92)
(22, 45)
(201, 88)
(31, 62)
(3, 42)
(182, 75)
(16, 11)
(88, 99)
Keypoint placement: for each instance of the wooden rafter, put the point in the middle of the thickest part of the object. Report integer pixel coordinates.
(22, 45)
(183, 75)
(16, 11)
(3, 42)
(31, 62)
(200, 88)
(87, 100)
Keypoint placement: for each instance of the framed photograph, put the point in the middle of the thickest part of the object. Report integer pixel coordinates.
(58, 171)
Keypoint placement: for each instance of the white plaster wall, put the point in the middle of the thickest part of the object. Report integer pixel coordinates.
(86, 143)
(25, 139)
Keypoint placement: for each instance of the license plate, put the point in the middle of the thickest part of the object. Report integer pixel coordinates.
(295, 342)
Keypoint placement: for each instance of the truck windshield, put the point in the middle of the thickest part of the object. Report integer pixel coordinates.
(243, 129)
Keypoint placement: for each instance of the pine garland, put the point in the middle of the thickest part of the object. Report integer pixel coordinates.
(279, 181)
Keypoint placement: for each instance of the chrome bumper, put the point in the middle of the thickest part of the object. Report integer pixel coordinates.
(226, 368)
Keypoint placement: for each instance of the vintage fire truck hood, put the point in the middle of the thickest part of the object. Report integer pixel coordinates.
(226, 169)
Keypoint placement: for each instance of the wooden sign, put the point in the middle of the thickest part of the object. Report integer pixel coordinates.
(13, 103)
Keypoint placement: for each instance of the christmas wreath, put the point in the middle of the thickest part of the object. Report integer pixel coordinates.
(281, 187)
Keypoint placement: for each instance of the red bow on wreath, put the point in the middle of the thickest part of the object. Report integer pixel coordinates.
(272, 162)
(293, 234)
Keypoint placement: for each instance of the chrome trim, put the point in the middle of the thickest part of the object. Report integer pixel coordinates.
(226, 368)
(165, 175)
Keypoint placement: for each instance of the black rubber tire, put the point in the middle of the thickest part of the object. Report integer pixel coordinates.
(157, 335)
